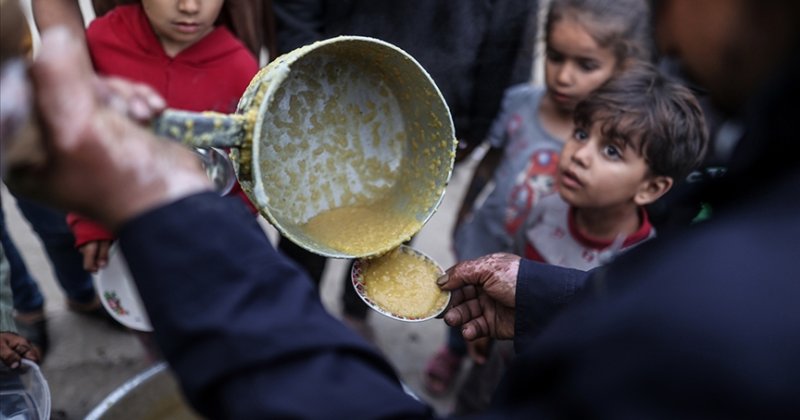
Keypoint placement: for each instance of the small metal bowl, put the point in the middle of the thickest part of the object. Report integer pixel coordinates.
(360, 267)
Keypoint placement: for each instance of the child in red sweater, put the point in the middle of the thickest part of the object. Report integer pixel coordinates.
(177, 48)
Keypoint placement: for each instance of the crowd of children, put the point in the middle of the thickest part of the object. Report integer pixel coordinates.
(586, 43)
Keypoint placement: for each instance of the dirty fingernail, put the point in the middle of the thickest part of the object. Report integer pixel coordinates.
(442, 280)
(465, 332)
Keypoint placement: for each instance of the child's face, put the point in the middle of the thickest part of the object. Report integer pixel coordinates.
(596, 172)
(180, 23)
(575, 65)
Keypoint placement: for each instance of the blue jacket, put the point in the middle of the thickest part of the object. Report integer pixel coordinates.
(243, 328)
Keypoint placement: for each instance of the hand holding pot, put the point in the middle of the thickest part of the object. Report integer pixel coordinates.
(98, 162)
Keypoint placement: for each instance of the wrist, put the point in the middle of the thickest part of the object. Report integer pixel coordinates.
(148, 173)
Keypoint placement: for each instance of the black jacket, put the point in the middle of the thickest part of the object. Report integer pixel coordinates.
(472, 49)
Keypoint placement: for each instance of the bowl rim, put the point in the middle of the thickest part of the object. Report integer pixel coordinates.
(357, 282)
(119, 294)
(269, 80)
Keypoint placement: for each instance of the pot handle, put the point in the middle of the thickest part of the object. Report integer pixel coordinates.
(202, 129)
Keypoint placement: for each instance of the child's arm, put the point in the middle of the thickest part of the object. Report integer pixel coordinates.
(92, 240)
(95, 254)
(496, 139)
(480, 178)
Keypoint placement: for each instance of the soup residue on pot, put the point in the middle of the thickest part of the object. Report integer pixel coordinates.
(361, 230)
(403, 284)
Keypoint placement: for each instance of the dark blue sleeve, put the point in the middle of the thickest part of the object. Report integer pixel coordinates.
(698, 325)
(243, 328)
(542, 291)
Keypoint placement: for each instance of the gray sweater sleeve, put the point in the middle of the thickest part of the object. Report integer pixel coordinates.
(6, 302)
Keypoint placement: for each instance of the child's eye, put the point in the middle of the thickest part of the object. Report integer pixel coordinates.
(613, 152)
(588, 65)
(554, 56)
(580, 134)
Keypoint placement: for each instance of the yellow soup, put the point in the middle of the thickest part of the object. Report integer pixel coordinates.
(361, 230)
(403, 284)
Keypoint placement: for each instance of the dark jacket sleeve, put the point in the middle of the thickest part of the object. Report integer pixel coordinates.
(243, 328)
(700, 325)
(542, 291)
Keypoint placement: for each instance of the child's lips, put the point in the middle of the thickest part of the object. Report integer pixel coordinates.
(570, 180)
(561, 97)
(187, 27)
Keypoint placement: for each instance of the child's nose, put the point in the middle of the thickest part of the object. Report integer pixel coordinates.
(582, 155)
(188, 6)
(564, 74)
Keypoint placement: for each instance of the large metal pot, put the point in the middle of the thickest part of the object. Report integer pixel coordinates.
(349, 124)
(152, 394)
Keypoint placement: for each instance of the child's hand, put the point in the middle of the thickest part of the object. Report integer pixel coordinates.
(95, 255)
(134, 100)
(14, 348)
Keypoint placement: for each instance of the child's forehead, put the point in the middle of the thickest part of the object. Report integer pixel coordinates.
(618, 128)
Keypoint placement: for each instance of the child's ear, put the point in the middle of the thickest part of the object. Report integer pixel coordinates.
(652, 189)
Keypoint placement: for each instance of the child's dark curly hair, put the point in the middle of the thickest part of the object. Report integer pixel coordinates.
(658, 117)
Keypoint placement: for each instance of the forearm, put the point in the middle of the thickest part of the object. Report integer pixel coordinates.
(542, 291)
(480, 178)
(243, 329)
(50, 13)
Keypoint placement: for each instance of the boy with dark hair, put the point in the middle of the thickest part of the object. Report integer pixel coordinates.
(634, 138)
